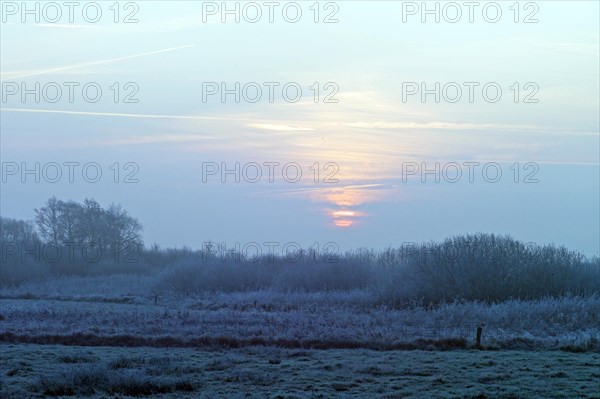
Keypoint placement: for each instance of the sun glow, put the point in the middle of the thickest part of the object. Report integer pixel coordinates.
(344, 217)
(342, 213)
(342, 202)
(343, 223)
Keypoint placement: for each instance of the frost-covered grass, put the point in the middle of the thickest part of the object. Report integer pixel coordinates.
(34, 370)
(123, 335)
(304, 320)
(90, 287)
(128, 309)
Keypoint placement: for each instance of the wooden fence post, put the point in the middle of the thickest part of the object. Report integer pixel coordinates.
(478, 337)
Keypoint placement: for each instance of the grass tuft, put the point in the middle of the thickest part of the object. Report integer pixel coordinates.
(84, 381)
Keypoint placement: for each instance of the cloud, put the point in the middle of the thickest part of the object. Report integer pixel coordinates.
(281, 128)
(342, 196)
(464, 126)
(163, 138)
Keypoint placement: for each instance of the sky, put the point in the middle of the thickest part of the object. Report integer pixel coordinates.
(376, 125)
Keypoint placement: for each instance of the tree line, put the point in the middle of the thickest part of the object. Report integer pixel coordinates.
(471, 267)
(74, 225)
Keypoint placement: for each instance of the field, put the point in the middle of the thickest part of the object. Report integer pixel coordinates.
(32, 370)
(354, 329)
(118, 340)
(119, 310)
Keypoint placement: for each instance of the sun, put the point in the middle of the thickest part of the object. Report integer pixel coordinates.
(344, 217)
(343, 222)
(343, 213)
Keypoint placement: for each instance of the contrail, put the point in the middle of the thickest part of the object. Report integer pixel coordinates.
(126, 115)
(66, 26)
(66, 68)
(350, 187)
(155, 116)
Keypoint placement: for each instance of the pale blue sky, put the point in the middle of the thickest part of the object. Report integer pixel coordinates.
(369, 133)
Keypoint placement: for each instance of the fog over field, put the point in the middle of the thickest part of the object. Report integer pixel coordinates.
(361, 199)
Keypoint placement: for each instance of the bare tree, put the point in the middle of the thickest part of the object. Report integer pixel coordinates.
(88, 224)
(47, 220)
(17, 231)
